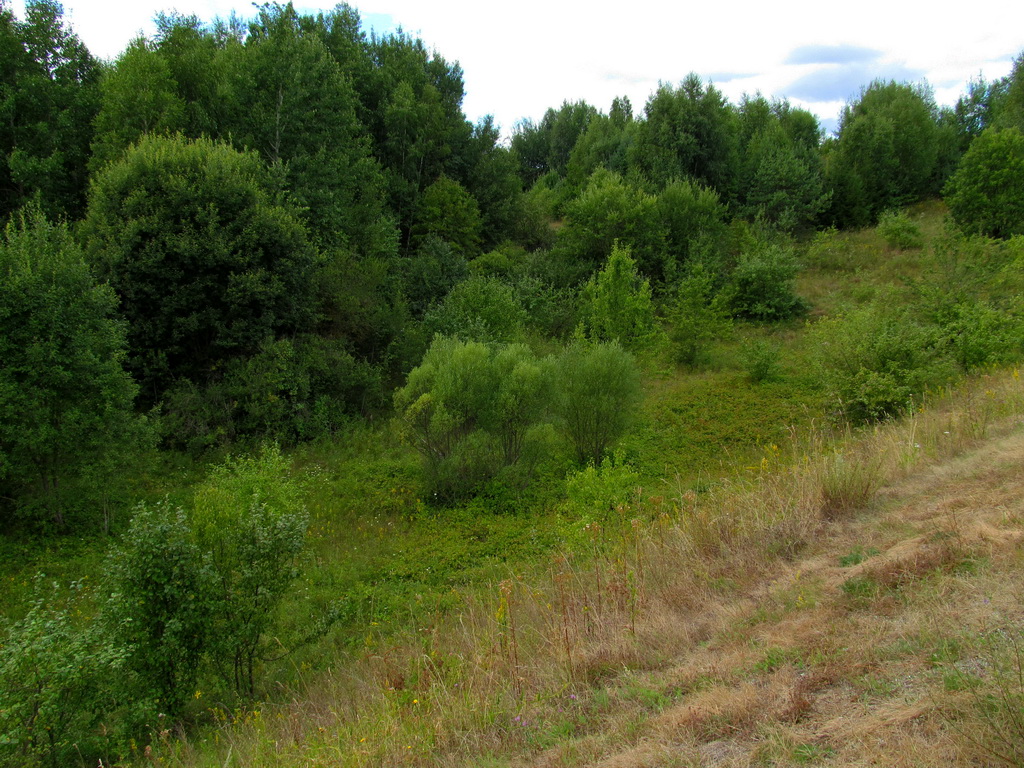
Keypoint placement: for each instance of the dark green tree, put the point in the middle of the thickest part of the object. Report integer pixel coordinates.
(886, 152)
(287, 98)
(610, 210)
(48, 99)
(689, 131)
(447, 211)
(986, 193)
(206, 262)
(65, 398)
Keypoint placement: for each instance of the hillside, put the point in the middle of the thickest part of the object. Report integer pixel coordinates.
(856, 605)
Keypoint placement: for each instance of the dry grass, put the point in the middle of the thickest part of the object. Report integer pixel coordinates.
(726, 633)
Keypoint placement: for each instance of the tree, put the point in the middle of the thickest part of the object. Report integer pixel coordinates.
(597, 390)
(48, 99)
(986, 193)
(139, 98)
(447, 211)
(206, 262)
(287, 98)
(65, 398)
(886, 152)
(610, 211)
(689, 131)
(698, 316)
(616, 303)
(249, 519)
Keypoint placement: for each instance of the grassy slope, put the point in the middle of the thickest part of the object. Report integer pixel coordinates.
(829, 601)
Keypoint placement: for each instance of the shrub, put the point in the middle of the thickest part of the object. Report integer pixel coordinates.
(479, 309)
(761, 286)
(899, 232)
(761, 360)
(158, 609)
(697, 317)
(249, 520)
(875, 359)
(468, 409)
(598, 388)
(65, 399)
(53, 672)
(616, 303)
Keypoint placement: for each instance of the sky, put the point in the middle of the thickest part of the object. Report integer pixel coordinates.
(521, 58)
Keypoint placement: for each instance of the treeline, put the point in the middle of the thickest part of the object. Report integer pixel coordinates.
(242, 230)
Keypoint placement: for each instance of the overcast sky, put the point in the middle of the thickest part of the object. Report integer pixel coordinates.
(519, 58)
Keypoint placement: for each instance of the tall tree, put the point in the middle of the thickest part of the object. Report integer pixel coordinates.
(886, 152)
(139, 98)
(48, 98)
(689, 131)
(206, 262)
(65, 398)
(287, 99)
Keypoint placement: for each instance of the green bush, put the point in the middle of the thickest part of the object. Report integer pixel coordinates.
(899, 232)
(876, 359)
(761, 286)
(986, 193)
(598, 389)
(479, 309)
(249, 521)
(761, 360)
(55, 673)
(697, 317)
(469, 409)
(616, 303)
(158, 609)
(65, 399)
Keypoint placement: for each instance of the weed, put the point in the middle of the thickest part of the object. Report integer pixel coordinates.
(856, 556)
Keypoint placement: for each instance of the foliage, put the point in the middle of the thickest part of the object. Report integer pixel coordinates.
(761, 287)
(598, 389)
(447, 211)
(431, 272)
(899, 231)
(697, 317)
(250, 522)
(608, 211)
(761, 360)
(479, 309)
(291, 390)
(206, 263)
(781, 171)
(48, 99)
(689, 132)
(616, 304)
(54, 673)
(886, 152)
(468, 409)
(138, 98)
(876, 358)
(65, 399)
(158, 609)
(986, 193)
(693, 220)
